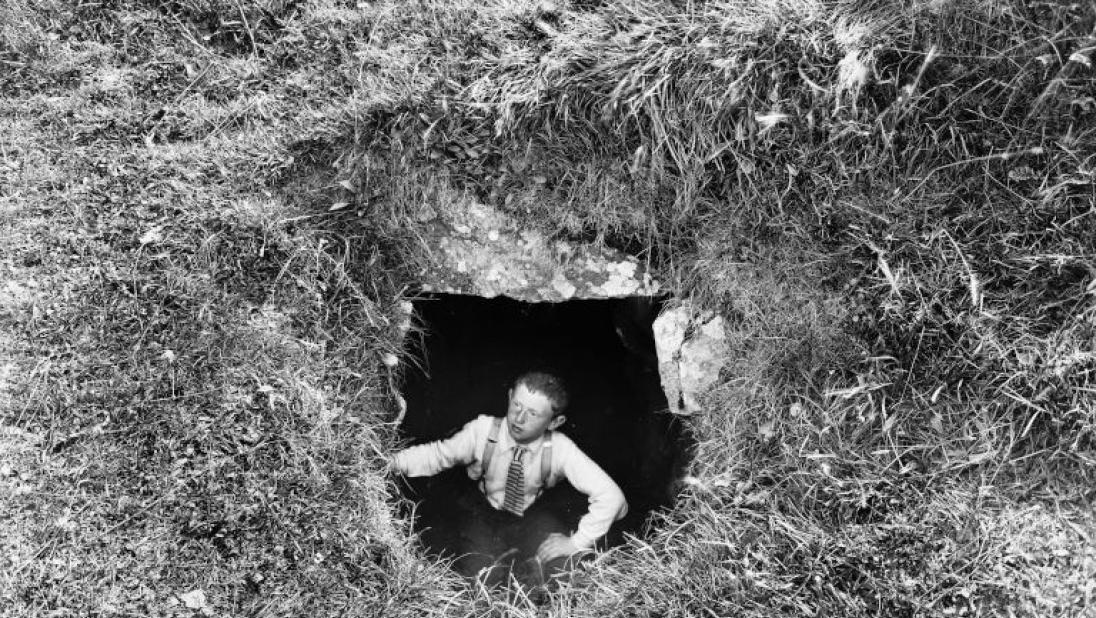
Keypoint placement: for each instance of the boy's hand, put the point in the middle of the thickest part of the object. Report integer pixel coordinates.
(555, 546)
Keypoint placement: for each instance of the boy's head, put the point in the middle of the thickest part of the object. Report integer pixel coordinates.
(537, 402)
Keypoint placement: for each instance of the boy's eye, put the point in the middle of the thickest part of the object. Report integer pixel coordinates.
(528, 411)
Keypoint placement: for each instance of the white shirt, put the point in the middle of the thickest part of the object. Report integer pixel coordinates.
(606, 501)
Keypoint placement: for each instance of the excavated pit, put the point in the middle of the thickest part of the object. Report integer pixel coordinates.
(470, 350)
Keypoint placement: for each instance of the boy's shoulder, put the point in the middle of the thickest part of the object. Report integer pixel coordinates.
(484, 424)
(480, 423)
(560, 439)
(475, 427)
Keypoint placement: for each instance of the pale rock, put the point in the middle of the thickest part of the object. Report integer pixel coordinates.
(691, 350)
(669, 331)
(702, 356)
(565, 288)
(401, 409)
(470, 254)
(195, 599)
(406, 310)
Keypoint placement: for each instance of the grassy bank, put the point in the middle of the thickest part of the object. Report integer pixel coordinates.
(209, 215)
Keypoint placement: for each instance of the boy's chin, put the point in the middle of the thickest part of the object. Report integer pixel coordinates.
(521, 436)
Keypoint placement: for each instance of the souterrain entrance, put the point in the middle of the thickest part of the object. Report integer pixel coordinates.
(471, 349)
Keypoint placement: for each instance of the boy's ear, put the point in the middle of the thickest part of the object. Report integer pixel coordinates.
(556, 422)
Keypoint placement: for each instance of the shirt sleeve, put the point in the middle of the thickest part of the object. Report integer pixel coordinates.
(606, 500)
(433, 457)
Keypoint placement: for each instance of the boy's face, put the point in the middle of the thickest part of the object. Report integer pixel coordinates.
(529, 415)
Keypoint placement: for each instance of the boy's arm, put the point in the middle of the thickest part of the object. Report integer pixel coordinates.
(433, 457)
(607, 503)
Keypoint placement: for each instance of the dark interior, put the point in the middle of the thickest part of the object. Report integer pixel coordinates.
(471, 349)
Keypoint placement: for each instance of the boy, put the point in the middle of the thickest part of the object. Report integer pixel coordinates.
(499, 517)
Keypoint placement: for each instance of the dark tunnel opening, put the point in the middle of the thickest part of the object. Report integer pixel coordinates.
(472, 348)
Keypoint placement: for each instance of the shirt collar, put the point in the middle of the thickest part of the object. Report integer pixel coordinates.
(508, 443)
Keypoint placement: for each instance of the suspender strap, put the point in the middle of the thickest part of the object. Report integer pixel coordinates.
(545, 459)
(489, 447)
(492, 443)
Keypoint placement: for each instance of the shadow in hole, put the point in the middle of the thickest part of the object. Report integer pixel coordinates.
(472, 350)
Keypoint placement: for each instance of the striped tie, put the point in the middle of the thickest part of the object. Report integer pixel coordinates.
(514, 501)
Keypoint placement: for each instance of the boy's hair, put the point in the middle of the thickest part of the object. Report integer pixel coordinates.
(548, 385)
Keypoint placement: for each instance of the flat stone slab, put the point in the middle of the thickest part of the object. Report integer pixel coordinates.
(479, 251)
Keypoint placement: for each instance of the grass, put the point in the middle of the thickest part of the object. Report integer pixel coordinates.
(891, 204)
